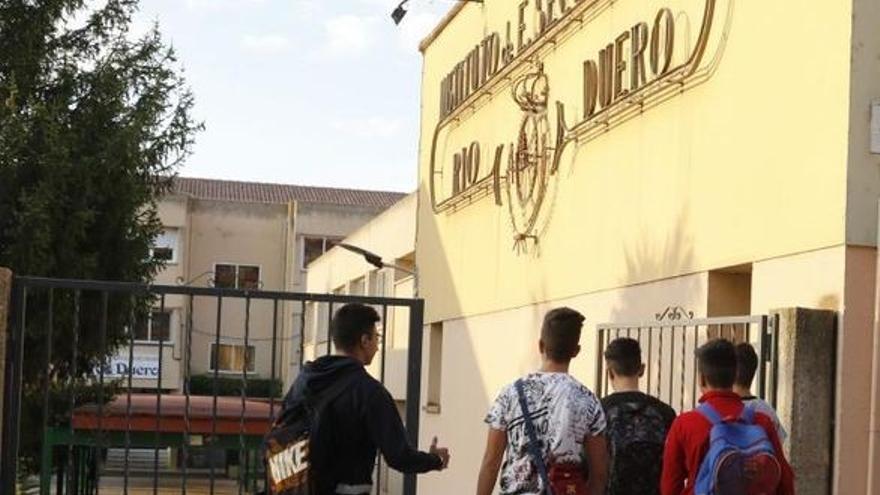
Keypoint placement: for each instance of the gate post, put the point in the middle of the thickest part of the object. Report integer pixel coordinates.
(414, 384)
(5, 303)
(807, 347)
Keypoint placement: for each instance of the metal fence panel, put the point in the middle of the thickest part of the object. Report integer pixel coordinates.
(668, 350)
(82, 430)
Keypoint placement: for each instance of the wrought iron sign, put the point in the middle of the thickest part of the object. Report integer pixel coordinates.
(674, 313)
(640, 68)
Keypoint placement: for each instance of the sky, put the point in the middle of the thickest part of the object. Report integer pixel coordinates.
(310, 92)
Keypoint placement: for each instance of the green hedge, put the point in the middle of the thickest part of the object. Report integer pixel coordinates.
(231, 386)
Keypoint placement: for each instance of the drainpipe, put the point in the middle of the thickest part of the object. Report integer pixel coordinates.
(874, 432)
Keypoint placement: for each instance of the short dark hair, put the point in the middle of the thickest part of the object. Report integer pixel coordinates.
(561, 333)
(624, 356)
(350, 323)
(716, 361)
(746, 364)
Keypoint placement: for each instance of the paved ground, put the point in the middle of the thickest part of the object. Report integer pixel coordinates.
(168, 485)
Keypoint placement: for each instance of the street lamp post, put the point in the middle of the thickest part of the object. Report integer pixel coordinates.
(376, 260)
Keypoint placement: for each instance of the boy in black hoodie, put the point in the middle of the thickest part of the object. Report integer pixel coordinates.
(361, 419)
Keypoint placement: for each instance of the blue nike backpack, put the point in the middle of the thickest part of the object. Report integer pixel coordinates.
(741, 459)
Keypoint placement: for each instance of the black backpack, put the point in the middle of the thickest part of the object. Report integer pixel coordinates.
(293, 447)
(637, 434)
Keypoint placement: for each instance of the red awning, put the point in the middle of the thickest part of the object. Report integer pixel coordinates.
(115, 415)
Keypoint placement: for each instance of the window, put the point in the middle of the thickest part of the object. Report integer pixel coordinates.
(156, 328)
(232, 358)
(236, 276)
(314, 247)
(377, 283)
(165, 246)
(435, 367)
(249, 277)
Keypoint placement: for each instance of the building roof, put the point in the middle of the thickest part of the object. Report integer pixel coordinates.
(426, 42)
(257, 192)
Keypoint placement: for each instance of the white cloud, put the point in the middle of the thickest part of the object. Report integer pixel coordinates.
(370, 127)
(218, 4)
(265, 43)
(307, 9)
(349, 35)
(385, 4)
(140, 27)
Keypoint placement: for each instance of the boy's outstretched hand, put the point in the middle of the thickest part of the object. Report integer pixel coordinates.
(441, 452)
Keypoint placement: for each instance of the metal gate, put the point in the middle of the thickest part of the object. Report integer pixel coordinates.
(668, 348)
(84, 414)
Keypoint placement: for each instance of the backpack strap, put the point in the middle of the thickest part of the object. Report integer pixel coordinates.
(320, 401)
(710, 413)
(533, 437)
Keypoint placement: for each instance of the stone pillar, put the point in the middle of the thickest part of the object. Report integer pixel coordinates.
(805, 394)
(5, 309)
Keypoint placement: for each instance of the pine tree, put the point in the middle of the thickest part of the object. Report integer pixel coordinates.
(94, 124)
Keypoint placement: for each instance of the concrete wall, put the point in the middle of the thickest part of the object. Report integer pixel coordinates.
(262, 234)
(806, 394)
(242, 234)
(391, 235)
(323, 220)
(855, 343)
(315, 220)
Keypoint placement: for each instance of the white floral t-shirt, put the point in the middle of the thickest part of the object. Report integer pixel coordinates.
(563, 411)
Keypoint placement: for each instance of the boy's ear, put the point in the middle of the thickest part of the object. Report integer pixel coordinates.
(642, 370)
(577, 351)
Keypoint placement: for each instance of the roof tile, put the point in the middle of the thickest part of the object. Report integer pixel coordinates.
(257, 192)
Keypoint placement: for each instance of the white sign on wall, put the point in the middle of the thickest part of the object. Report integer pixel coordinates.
(143, 368)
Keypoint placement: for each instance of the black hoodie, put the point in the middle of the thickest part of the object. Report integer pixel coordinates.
(361, 419)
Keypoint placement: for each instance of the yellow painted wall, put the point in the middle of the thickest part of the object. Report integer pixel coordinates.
(751, 164)
(483, 353)
(863, 179)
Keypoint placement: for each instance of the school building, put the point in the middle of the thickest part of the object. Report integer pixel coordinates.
(237, 235)
(636, 159)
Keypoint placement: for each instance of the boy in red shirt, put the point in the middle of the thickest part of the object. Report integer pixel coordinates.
(688, 440)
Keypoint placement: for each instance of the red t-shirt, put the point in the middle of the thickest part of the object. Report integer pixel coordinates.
(688, 442)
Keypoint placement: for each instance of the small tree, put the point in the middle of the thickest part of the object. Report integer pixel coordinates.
(93, 126)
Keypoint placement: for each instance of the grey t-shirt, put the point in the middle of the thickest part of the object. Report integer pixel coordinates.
(767, 410)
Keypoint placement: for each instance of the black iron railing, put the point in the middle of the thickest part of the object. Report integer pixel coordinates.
(85, 414)
(668, 351)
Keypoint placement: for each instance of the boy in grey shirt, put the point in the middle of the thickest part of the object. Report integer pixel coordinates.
(746, 366)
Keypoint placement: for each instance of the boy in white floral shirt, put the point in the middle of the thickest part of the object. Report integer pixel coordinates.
(567, 417)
